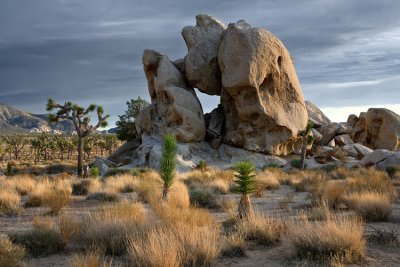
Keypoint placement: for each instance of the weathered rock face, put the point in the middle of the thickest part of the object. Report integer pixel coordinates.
(378, 128)
(214, 127)
(316, 115)
(261, 97)
(201, 65)
(175, 107)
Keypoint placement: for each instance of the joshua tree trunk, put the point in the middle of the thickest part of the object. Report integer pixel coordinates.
(245, 209)
(80, 159)
(165, 194)
(303, 152)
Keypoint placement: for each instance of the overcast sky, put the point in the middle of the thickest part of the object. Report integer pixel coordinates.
(346, 52)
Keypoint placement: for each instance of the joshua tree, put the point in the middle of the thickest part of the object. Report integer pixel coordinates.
(168, 164)
(15, 144)
(81, 119)
(245, 185)
(307, 139)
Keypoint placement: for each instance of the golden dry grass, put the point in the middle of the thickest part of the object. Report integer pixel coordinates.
(262, 229)
(68, 226)
(9, 201)
(10, 254)
(338, 239)
(91, 259)
(23, 184)
(372, 206)
(169, 246)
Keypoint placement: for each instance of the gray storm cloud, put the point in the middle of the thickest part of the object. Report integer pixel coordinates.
(346, 52)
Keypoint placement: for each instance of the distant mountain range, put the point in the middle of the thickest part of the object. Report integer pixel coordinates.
(13, 120)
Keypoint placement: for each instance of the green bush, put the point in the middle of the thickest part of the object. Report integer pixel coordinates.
(39, 241)
(115, 171)
(296, 163)
(95, 172)
(204, 198)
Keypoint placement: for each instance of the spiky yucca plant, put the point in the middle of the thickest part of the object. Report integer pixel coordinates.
(245, 185)
(168, 163)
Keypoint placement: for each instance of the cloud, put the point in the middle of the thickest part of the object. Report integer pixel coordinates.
(346, 52)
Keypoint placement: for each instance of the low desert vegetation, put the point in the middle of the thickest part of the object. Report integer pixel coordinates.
(91, 259)
(338, 239)
(371, 206)
(9, 202)
(10, 254)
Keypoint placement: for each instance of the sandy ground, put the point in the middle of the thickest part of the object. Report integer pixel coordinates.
(280, 255)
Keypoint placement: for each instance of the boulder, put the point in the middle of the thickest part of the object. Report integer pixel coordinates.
(190, 154)
(316, 115)
(392, 161)
(362, 150)
(352, 119)
(331, 143)
(323, 151)
(343, 139)
(328, 133)
(124, 151)
(103, 165)
(378, 128)
(214, 126)
(316, 135)
(175, 107)
(375, 157)
(201, 65)
(350, 150)
(261, 96)
(344, 128)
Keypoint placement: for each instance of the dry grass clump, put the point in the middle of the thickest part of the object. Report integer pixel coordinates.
(9, 201)
(56, 199)
(233, 246)
(104, 196)
(270, 179)
(197, 178)
(261, 229)
(23, 184)
(338, 239)
(91, 259)
(123, 183)
(331, 194)
(39, 241)
(10, 254)
(67, 226)
(372, 206)
(308, 180)
(219, 186)
(204, 198)
(170, 246)
(106, 230)
(84, 186)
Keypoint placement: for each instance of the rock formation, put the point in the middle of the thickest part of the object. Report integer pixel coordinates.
(174, 107)
(201, 66)
(378, 128)
(316, 115)
(261, 96)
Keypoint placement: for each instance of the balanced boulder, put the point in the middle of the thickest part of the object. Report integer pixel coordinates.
(261, 96)
(201, 65)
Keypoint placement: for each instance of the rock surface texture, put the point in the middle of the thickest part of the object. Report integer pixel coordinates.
(201, 65)
(378, 128)
(175, 107)
(261, 97)
(316, 115)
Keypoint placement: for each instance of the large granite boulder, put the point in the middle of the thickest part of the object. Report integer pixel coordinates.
(123, 152)
(201, 65)
(261, 96)
(175, 107)
(378, 128)
(316, 115)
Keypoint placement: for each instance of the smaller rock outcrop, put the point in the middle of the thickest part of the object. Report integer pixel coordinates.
(174, 107)
(316, 115)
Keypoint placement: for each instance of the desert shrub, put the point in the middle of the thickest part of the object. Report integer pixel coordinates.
(9, 201)
(91, 259)
(187, 216)
(203, 198)
(107, 229)
(56, 199)
(95, 172)
(23, 184)
(39, 241)
(331, 194)
(202, 165)
(115, 171)
(82, 187)
(311, 181)
(371, 206)
(263, 230)
(104, 196)
(296, 163)
(10, 254)
(385, 237)
(123, 183)
(337, 239)
(233, 246)
(60, 168)
(218, 186)
(67, 226)
(181, 246)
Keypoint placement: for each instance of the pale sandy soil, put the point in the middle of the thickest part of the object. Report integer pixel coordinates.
(280, 255)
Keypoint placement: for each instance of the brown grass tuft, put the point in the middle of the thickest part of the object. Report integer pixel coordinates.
(91, 259)
(10, 254)
(9, 201)
(372, 206)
